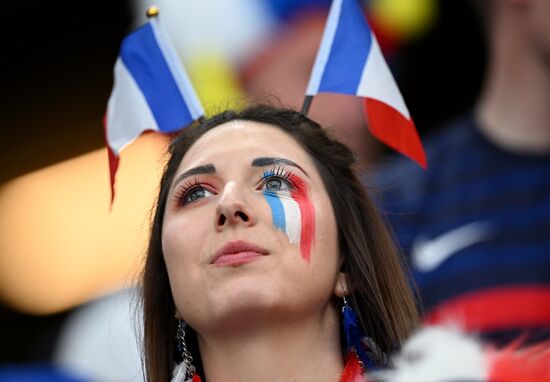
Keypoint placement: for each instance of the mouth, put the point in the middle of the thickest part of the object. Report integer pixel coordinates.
(238, 252)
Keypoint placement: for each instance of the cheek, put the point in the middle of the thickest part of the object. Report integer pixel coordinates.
(326, 232)
(172, 250)
(295, 216)
(178, 245)
(181, 256)
(307, 222)
(285, 216)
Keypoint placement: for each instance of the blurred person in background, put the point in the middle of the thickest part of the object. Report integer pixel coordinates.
(476, 225)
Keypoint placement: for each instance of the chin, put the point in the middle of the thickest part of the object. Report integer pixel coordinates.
(248, 295)
(246, 304)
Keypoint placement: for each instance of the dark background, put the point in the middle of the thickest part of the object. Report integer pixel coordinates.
(57, 77)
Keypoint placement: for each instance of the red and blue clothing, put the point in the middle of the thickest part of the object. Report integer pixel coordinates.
(475, 228)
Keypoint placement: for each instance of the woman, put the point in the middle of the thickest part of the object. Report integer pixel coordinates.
(261, 229)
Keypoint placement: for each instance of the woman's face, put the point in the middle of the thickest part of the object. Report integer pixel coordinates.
(249, 231)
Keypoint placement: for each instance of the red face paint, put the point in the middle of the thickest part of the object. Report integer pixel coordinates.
(307, 215)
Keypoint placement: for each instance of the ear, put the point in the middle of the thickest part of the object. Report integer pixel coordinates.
(178, 315)
(341, 288)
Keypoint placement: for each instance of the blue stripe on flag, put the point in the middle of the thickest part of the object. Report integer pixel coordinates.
(277, 210)
(349, 51)
(143, 58)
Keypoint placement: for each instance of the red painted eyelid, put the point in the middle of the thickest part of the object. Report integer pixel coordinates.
(298, 182)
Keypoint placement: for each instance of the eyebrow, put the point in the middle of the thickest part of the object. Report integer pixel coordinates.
(204, 169)
(268, 161)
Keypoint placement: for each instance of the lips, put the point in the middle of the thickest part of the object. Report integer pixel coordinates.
(238, 252)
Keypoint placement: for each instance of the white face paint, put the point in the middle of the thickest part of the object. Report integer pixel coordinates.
(285, 213)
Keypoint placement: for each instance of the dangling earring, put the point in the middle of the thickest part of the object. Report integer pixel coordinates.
(365, 347)
(185, 371)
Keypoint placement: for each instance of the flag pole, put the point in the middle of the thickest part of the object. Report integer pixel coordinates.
(307, 103)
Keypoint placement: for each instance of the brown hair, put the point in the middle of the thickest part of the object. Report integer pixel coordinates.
(381, 297)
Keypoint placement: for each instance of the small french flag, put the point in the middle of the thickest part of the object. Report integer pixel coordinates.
(151, 92)
(350, 61)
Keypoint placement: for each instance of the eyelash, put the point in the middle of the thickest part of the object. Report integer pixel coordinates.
(278, 172)
(190, 185)
(186, 188)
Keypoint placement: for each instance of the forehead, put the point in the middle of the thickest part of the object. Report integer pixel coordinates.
(236, 141)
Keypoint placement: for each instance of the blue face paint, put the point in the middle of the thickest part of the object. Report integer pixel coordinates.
(277, 210)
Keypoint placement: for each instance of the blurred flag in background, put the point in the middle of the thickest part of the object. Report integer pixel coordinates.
(350, 61)
(151, 91)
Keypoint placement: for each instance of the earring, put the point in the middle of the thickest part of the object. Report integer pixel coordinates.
(364, 347)
(185, 371)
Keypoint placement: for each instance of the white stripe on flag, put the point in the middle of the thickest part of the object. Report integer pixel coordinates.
(174, 63)
(293, 221)
(377, 81)
(324, 48)
(128, 113)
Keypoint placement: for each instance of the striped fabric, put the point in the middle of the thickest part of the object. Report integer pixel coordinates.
(349, 61)
(476, 230)
(151, 91)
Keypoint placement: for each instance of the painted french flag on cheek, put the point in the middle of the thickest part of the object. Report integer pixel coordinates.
(293, 214)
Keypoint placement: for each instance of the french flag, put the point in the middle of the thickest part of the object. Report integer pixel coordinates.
(350, 61)
(151, 92)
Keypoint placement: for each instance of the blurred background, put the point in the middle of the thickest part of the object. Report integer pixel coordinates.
(60, 248)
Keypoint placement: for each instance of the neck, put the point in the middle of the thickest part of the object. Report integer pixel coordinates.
(296, 351)
(514, 109)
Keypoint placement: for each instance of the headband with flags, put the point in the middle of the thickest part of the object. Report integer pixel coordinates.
(151, 92)
(349, 61)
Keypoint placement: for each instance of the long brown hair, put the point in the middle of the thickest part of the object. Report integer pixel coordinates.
(380, 294)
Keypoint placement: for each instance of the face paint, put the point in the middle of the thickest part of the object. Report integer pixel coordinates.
(294, 215)
(307, 215)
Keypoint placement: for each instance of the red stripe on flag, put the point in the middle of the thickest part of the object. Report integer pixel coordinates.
(392, 128)
(501, 308)
(113, 167)
(113, 162)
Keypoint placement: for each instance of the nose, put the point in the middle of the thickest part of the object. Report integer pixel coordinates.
(232, 209)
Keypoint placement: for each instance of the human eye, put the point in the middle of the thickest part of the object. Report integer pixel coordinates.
(276, 180)
(191, 191)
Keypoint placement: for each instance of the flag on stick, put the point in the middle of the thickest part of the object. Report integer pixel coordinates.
(151, 91)
(349, 61)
